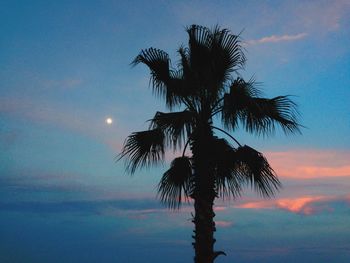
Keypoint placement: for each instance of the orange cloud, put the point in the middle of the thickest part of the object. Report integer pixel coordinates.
(302, 205)
(256, 205)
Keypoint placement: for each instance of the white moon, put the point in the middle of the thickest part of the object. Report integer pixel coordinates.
(109, 121)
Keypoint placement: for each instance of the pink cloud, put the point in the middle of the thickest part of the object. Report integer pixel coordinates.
(137, 214)
(67, 83)
(302, 205)
(276, 39)
(220, 208)
(140, 214)
(321, 15)
(223, 223)
(310, 164)
(256, 205)
(305, 205)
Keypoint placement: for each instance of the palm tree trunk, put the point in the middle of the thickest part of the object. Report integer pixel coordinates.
(203, 195)
(204, 231)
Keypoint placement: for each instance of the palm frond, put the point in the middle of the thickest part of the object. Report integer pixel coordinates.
(166, 82)
(255, 170)
(176, 182)
(179, 90)
(258, 115)
(158, 62)
(213, 56)
(200, 39)
(142, 149)
(175, 125)
(190, 87)
(227, 179)
(263, 115)
(226, 54)
(184, 63)
(237, 100)
(199, 36)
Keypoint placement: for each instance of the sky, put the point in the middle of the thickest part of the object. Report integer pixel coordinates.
(65, 68)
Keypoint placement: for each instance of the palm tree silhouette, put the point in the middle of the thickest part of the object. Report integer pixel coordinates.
(203, 88)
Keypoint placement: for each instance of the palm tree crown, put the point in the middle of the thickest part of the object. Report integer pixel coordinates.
(203, 86)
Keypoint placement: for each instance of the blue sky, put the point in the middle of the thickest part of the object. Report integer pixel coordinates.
(65, 68)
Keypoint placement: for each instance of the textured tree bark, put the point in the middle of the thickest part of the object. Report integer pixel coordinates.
(203, 195)
(204, 231)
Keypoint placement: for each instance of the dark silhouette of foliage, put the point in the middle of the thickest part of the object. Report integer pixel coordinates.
(203, 85)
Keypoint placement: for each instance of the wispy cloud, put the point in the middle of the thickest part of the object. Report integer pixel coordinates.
(67, 117)
(93, 207)
(321, 15)
(220, 208)
(310, 164)
(223, 223)
(276, 39)
(38, 183)
(256, 205)
(67, 83)
(305, 205)
(138, 214)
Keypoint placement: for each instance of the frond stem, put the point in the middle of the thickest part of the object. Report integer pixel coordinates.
(229, 135)
(189, 104)
(216, 104)
(183, 152)
(216, 111)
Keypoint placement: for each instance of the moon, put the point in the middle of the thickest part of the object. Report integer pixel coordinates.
(109, 121)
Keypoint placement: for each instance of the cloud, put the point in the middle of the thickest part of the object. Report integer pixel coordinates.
(310, 164)
(305, 205)
(138, 214)
(314, 171)
(89, 207)
(316, 18)
(42, 192)
(321, 15)
(67, 83)
(256, 205)
(222, 223)
(67, 117)
(39, 185)
(219, 208)
(276, 39)
(302, 205)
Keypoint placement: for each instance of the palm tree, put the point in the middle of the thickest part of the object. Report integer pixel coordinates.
(203, 89)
